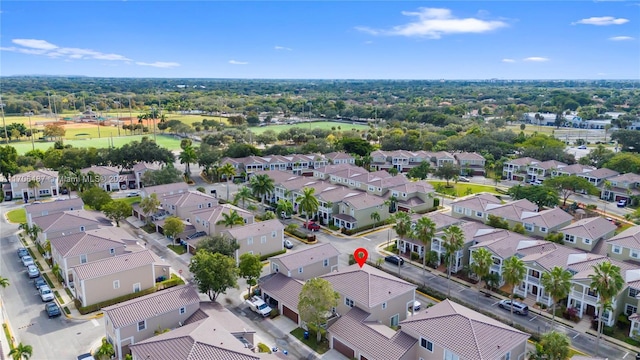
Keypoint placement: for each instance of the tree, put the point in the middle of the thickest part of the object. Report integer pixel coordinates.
(187, 157)
(481, 265)
(228, 172)
(34, 185)
(421, 171)
(173, 226)
(316, 299)
(54, 131)
(230, 219)
(21, 352)
(284, 206)
(448, 171)
(497, 222)
(8, 161)
(250, 268)
(213, 273)
(543, 196)
(424, 231)
(513, 272)
(117, 211)
(375, 217)
(96, 198)
(262, 186)
(356, 146)
(552, 346)
(218, 244)
(557, 283)
(453, 241)
(308, 202)
(105, 351)
(242, 195)
(166, 175)
(149, 206)
(569, 185)
(607, 281)
(624, 163)
(4, 282)
(403, 224)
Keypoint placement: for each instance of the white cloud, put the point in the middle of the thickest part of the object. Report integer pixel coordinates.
(620, 38)
(159, 64)
(34, 44)
(434, 22)
(536, 59)
(508, 60)
(368, 42)
(235, 62)
(602, 21)
(282, 48)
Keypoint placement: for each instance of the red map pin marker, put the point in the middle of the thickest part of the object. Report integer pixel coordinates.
(360, 255)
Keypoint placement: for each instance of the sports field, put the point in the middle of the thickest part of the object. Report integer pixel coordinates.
(167, 141)
(326, 125)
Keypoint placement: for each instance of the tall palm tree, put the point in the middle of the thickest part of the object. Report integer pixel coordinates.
(425, 231)
(34, 185)
(149, 206)
(453, 241)
(228, 171)
(4, 282)
(284, 206)
(481, 265)
(262, 186)
(513, 272)
(34, 231)
(21, 352)
(242, 195)
(375, 217)
(557, 283)
(308, 202)
(187, 157)
(230, 219)
(607, 281)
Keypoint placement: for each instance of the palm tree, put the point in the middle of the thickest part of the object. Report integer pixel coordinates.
(262, 186)
(375, 217)
(188, 156)
(513, 272)
(242, 195)
(21, 352)
(105, 351)
(607, 281)
(228, 171)
(34, 231)
(284, 206)
(424, 231)
(555, 346)
(557, 283)
(269, 215)
(403, 224)
(230, 219)
(308, 202)
(391, 202)
(453, 241)
(481, 265)
(4, 282)
(34, 184)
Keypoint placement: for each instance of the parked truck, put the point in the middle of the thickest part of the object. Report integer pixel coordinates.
(259, 306)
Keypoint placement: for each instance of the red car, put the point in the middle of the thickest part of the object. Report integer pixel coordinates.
(313, 226)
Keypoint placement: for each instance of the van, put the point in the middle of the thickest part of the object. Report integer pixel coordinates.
(518, 307)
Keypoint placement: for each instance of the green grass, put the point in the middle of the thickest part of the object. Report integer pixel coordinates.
(325, 125)
(49, 282)
(321, 348)
(17, 216)
(530, 129)
(178, 249)
(166, 141)
(58, 297)
(129, 200)
(463, 189)
(263, 348)
(622, 228)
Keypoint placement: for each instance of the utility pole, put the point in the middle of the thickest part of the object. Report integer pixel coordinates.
(55, 110)
(130, 116)
(4, 124)
(33, 146)
(49, 97)
(95, 103)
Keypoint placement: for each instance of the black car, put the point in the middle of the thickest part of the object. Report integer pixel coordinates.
(39, 281)
(52, 309)
(22, 252)
(394, 259)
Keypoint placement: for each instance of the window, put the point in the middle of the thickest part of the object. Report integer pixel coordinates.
(136, 287)
(142, 325)
(633, 292)
(116, 284)
(507, 356)
(448, 355)
(630, 309)
(274, 234)
(569, 238)
(276, 268)
(263, 240)
(394, 320)
(250, 241)
(426, 344)
(348, 302)
(459, 210)
(586, 241)
(325, 262)
(112, 251)
(479, 214)
(83, 259)
(616, 249)
(81, 228)
(300, 270)
(209, 205)
(467, 211)
(199, 206)
(183, 310)
(384, 305)
(528, 227)
(543, 229)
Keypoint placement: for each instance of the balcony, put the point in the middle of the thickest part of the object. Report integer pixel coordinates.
(587, 298)
(495, 268)
(533, 279)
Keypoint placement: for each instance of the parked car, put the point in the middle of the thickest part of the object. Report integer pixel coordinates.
(284, 215)
(416, 305)
(463, 179)
(22, 252)
(582, 147)
(622, 203)
(394, 259)
(313, 226)
(133, 194)
(536, 182)
(288, 244)
(27, 260)
(39, 282)
(86, 356)
(33, 271)
(518, 307)
(64, 191)
(52, 309)
(45, 293)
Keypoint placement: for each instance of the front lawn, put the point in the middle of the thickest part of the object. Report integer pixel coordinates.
(461, 189)
(17, 216)
(178, 249)
(129, 200)
(321, 348)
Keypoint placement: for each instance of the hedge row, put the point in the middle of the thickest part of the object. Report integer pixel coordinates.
(267, 256)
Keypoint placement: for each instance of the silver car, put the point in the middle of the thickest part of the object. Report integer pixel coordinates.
(27, 260)
(518, 307)
(45, 293)
(33, 271)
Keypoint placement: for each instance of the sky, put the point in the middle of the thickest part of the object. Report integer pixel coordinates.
(322, 39)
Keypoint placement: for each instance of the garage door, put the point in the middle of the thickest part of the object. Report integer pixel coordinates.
(290, 314)
(343, 349)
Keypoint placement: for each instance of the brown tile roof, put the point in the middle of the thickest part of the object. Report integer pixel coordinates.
(307, 256)
(354, 329)
(512, 210)
(337, 193)
(282, 288)
(166, 189)
(441, 220)
(522, 161)
(152, 305)
(593, 228)
(141, 166)
(550, 218)
(468, 156)
(582, 265)
(629, 238)
(549, 255)
(367, 285)
(338, 155)
(66, 220)
(91, 241)
(363, 201)
(214, 214)
(102, 170)
(601, 173)
(465, 332)
(256, 229)
(54, 206)
(503, 243)
(576, 169)
(332, 169)
(278, 176)
(627, 177)
(411, 187)
(114, 265)
(549, 164)
(477, 202)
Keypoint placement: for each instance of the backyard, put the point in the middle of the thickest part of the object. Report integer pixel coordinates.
(461, 189)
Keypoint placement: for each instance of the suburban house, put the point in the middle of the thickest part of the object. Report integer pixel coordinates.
(313, 261)
(51, 207)
(597, 177)
(164, 190)
(107, 178)
(470, 163)
(623, 187)
(340, 157)
(575, 169)
(413, 196)
(45, 181)
(183, 204)
(626, 245)
(512, 211)
(282, 292)
(195, 340)
(259, 238)
(139, 319)
(116, 276)
(585, 234)
(461, 257)
(544, 222)
(355, 211)
(87, 246)
(474, 207)
(207, 218)
(139, 169)
(542, 170)
(67, 223)
(516, 169)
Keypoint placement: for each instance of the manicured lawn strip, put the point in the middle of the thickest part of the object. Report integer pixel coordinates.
(17, 216)
(129, 200)
(321, 348)
(178, 249)
(326, 125)
(167, 141)
(461, 188)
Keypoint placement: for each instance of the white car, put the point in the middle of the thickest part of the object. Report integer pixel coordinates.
(27, 260)
(45, 293)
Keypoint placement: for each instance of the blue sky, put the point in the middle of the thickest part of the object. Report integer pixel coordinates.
(323, 40)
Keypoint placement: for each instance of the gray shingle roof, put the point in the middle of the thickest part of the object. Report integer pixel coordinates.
(550, 218)
(66, 220)
(592, 228)
(282, 288)
(54, 206)
(255, 229)
(90, 241)
(307, 256)
(166, 189)
(149, 306)
(477, 202)
(465, 332)
(114, 265)
(629, 238)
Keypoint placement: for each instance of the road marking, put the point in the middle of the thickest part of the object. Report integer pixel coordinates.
(625, 355)
(533, 318)
(578, 334)
(495, 303)
(365, 238)
(95, 322)
(462, 289)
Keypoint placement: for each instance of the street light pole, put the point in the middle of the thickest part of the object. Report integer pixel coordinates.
(4, 124)
(95, 103)
(130, 116)
(33, 146)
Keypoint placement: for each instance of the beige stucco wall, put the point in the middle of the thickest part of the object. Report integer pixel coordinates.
(101, 289)
(309, 271)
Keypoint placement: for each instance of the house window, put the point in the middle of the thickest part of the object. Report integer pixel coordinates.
(81, 228)
(384, 305)
(263, 240)
(459, 210)
(426, 344)
(528, 227)
(142, 325)
(300, 270)
(586, 241)
(274, 234)
(209, 205)
(116, 284)
(569, 238)
(199, 206)
(250, 241)
(630, 309)
(479, 214)
(136, 287)
(633, 292)
(348, 302)
(112, 251)
(83, 259)
(183, 310)
(616, 249)
(634, 253)
(543, 229)
(394, 320)
(448, 355)
(507, 356)
(325, 262)
(276, 268)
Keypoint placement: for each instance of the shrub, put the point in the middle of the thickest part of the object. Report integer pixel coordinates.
(352, 259)
(274, 313)
(46, 278)
(263, 348)
(608, 330)
(623, 321)
(415, 256)
(267, 256)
